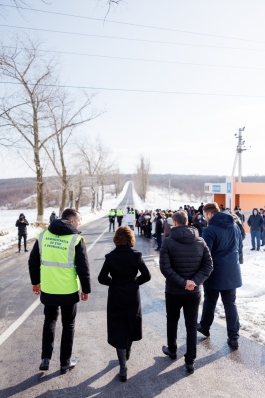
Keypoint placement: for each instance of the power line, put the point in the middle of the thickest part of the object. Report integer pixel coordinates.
(139, 91)
(135, 25)
(129, 39)
(138, 59)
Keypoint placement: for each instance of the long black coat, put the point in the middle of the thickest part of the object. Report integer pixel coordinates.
(124, 314)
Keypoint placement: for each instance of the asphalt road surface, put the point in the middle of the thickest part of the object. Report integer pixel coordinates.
(219, 372)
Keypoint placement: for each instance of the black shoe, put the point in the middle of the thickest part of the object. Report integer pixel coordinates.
(233, 343)
(172, 355)
(262, 244)
(68, 367)
(205, 332)
(44, 364)
(157, 250)
(189, 367)
(19, 251)
(26, 250)
(253, 248)
(258, 249)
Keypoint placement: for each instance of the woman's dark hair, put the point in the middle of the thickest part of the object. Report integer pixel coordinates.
(124, 236)
(69, 213)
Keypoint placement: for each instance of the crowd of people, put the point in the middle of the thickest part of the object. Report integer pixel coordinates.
(200, 247)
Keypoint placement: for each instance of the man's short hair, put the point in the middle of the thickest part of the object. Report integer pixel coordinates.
(180, 217)
(69, 213)
(124, 237)
(211, 207)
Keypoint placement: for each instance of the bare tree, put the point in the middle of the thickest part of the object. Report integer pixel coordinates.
(19, 4)
(67, 114)
(118, 181)
(141, 177)
(99, 164)
(24, 109)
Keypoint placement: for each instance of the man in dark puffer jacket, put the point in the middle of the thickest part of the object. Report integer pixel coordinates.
(224, 240)
(186, 263)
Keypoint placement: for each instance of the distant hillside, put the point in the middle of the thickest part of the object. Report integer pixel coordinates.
(14, 190)
(191, 184)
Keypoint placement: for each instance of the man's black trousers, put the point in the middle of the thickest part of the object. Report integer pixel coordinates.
(231, 314)
(68, 313)
(190, 303)
(20, 236)
(112, 223)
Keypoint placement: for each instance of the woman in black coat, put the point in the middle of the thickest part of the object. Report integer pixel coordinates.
(124, 314)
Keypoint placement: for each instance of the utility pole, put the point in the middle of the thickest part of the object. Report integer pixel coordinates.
(239, 149)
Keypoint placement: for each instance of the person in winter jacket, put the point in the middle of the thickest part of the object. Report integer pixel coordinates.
(53, 217)
(159, 231)
(112, 216)
(142, 223)
(243, 234)
(201, 208)
(185, 262)
(124, 315)
(22, 223)
(167, 225)
(239, 214)
(223, 238)
(199, 222)
(263, 235)
(255, 222)
(57, 262)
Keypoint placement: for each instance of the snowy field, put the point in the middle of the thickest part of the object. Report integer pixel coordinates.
(158, 198)
(9, 217)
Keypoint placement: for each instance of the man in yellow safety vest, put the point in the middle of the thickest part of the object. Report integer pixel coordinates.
(119, 215)
(57, 262)
(112, 216)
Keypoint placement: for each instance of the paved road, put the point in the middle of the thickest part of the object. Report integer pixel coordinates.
(220, 372)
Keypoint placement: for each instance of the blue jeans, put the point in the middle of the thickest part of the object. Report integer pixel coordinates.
(255, 234)
(231, 314)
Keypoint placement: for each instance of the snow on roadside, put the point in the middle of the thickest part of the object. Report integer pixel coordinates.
(157, 198)
(8, 218)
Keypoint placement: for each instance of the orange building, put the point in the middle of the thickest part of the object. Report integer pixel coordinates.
(246, 195)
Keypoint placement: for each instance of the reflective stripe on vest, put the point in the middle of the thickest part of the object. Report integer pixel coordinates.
(70, 263)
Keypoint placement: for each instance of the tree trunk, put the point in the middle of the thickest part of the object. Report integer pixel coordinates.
(93, 199)
(63, 199)
(78, 199)
(71, 199)
(102, 196)
(40, 196)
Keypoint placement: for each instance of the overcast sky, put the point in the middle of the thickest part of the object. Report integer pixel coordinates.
(183, 133)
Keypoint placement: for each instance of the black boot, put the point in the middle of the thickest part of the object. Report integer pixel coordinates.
(122, 360)
(70, 366)
(44, 364)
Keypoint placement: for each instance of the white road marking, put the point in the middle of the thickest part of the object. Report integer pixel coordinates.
(4, 336)
(100, 236)
(12, 328)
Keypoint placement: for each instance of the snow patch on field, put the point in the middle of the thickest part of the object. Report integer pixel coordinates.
(9, 217)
